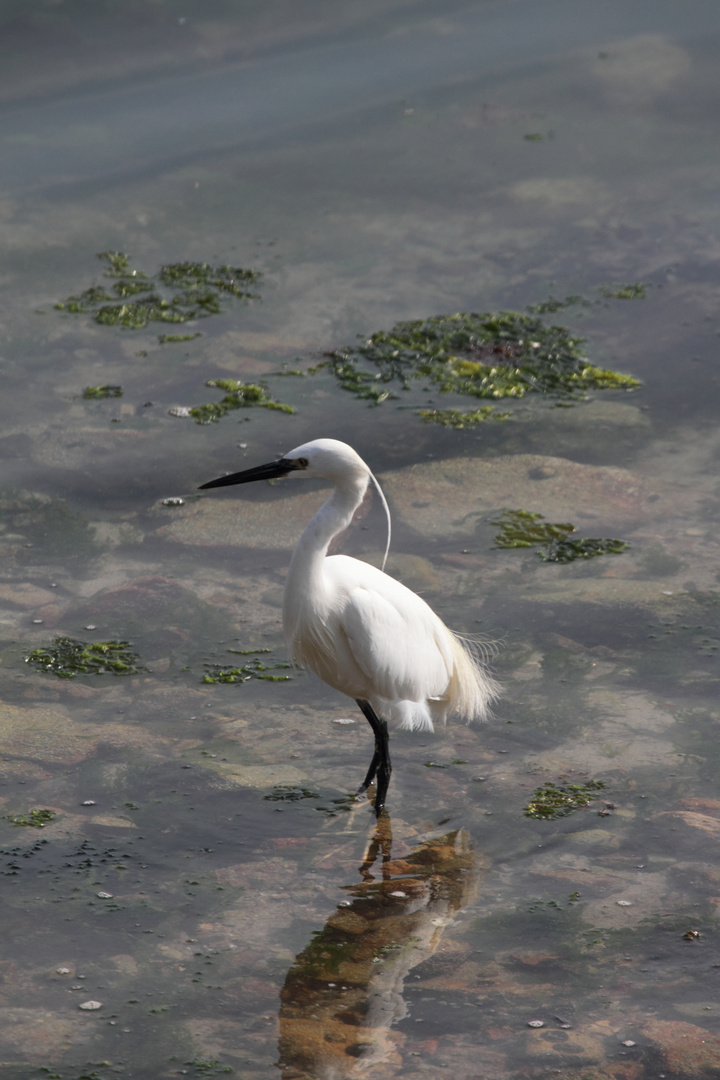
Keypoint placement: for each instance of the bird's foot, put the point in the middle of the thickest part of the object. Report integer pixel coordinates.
(362, 795)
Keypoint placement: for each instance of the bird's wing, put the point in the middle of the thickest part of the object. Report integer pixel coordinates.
(397, 641)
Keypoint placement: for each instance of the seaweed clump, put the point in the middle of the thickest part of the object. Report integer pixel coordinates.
(290, 793)
(634, 291)
(525, 528)
(238, 395)
(253, 668)
(94, 393)
(503, 354)
(564, 550)
(462, 418)
(558, 800)
(67, 658)
(35, 818)
(178, 293)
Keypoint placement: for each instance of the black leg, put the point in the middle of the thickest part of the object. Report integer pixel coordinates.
(380, 765)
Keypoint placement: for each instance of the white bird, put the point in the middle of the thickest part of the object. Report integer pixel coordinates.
(361, 631)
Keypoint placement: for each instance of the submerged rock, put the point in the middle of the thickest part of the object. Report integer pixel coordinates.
(272, 525)
(447, 498)
(689, 1051)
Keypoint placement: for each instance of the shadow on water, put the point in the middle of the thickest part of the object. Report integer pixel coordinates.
(344, 991)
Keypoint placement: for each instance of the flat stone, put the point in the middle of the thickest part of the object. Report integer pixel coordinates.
(40, 1035)
(447, 499)
(25, 595)
(709, 825)
(271, 525)
(46, 734)
(110, 821)
(258, 776)
(600, 414)
(43, 734)
(632, 734)
(689, 1050)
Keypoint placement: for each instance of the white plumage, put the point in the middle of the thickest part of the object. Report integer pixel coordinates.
(360, 630)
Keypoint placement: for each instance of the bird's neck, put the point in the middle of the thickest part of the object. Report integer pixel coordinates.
(305, 573)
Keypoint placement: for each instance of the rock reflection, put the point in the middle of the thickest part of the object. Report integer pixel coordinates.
(345, 990)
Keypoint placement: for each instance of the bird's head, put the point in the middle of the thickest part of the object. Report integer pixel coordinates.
(326, 458)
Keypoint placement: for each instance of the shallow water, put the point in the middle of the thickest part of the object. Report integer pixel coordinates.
(390, 163)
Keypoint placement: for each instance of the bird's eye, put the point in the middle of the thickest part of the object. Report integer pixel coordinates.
(302, 462)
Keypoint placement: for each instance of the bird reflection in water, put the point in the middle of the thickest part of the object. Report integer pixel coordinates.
(345, 990)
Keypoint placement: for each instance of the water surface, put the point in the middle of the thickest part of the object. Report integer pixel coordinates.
(207, 877)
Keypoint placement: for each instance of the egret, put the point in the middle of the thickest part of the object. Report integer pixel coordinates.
(361, 631)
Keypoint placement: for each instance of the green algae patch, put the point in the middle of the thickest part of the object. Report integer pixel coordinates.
(635, 291)
(192, 276)
(463, 418)
(238, 395)
(553, 304)
(594, 378)
(96, 393)
(504, 354)
(290, 793)
(526, 528)
(211, 1067)
(564, 550)
(178, 293)
(253, 668)
(67, 658)
(558, 800)
(166, 339)
(35, 818)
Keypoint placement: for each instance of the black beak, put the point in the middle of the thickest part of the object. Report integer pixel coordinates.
(271, 471)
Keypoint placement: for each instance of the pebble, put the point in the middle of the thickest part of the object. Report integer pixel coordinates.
(91, 627)
(536, 1023)
(343, 720)
(88, 802)
(629, 1042)
(90, 1006)
(105, 895)
(624, 903)
(173, 500)
(181, 411)
(62, 971)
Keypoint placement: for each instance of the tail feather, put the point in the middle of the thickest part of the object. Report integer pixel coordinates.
(410, 715)
(471, 692)
(472, 689)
